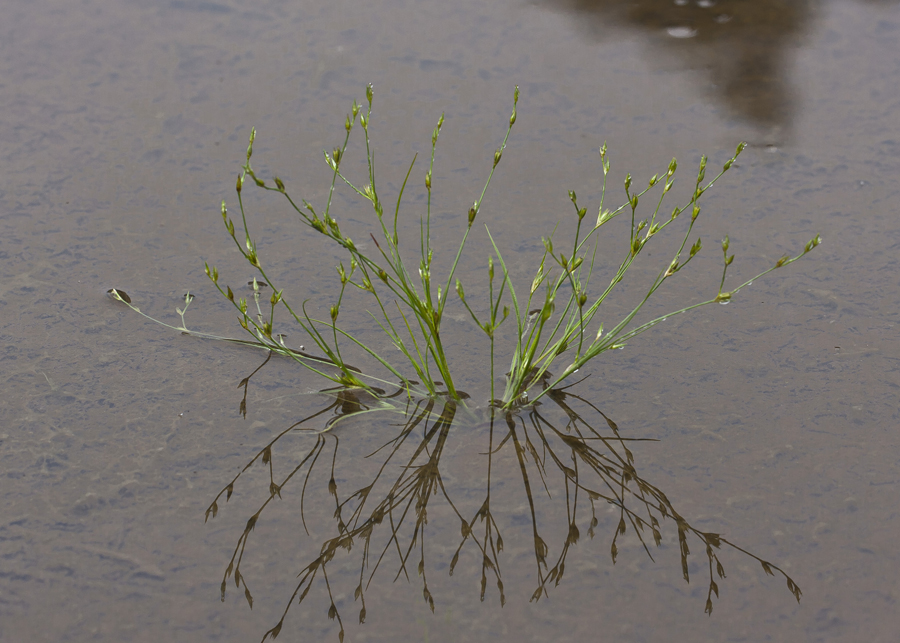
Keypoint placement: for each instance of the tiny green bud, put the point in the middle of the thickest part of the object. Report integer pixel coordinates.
(333, 225)
(229, 294)
(782, 261)
(251, 256)
(242, 305)
(516, 94)
(727, 165)
(636, 245)
(512, 117)
(382, 275)
(573, 198)
(577, 262)
(267, 329)
(696, 247)
(563, 260)
(728, 260)
(229, 225)
(634, 201)
(725, 244)
(600, 331)
(434, 136)
(653, 180)
(279, 184)
(370, 91)
(428, 179)
(740, 148)
(627, 182)
(582, 299)
(505, 312)
(250, 146)
(240, 182)
(813, 243)
(673, 165)
(459, 290)
(259, 182)
(581, 213)
(355, 109)
(334, 313)
(363, 121)
(224, 211)
(336, 155)
(497, 156)
(695, 213)
(547, 311)
(490, 268)
(722, 297)
(676, 212)
(472, 212)
(347, 124)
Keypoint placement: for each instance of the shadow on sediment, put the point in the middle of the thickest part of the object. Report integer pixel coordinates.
(746, 47)
(566, 442)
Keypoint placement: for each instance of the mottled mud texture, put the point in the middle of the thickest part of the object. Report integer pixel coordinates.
(123, 125)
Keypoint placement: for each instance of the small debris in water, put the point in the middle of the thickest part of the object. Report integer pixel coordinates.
(681, 32)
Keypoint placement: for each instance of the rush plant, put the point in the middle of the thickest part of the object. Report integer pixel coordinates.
(554, 318)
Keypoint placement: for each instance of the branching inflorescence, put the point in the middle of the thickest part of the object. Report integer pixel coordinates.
(554, 322)
(554, 319)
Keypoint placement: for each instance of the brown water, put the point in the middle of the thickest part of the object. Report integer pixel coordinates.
(123, 124)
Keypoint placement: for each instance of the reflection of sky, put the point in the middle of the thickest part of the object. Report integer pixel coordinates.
(744, 46)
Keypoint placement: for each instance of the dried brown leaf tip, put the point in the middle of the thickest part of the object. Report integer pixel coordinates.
(121, 295)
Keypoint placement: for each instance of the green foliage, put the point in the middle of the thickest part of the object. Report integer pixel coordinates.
(554, 319)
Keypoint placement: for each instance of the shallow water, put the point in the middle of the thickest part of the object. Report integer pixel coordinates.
(123, 125)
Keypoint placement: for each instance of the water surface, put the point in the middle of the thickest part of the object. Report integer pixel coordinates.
(123, 126)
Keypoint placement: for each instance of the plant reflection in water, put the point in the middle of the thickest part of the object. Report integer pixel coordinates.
(596, 467)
